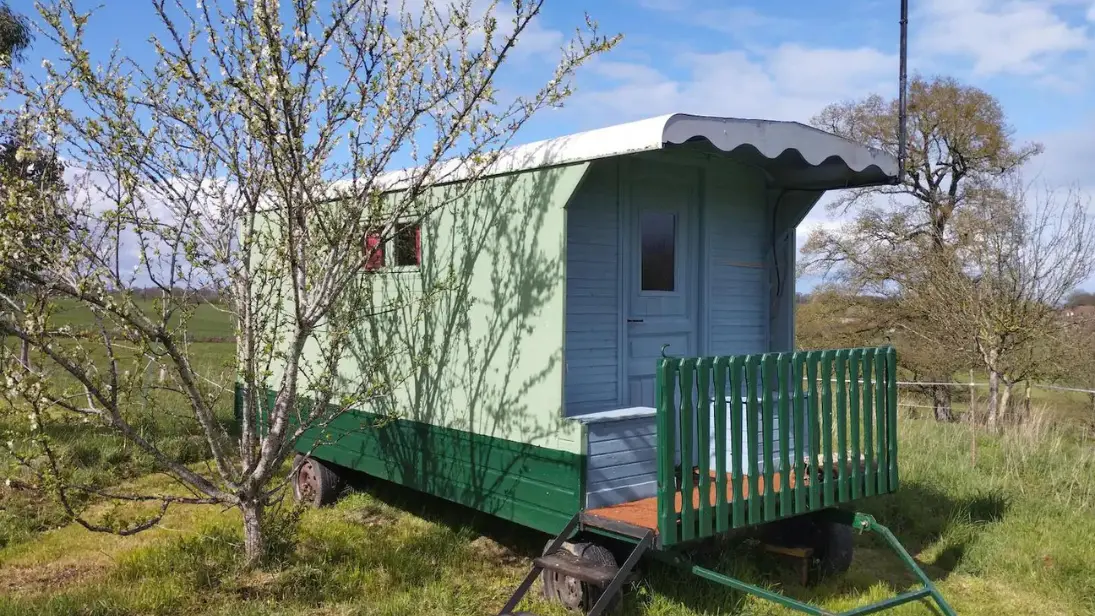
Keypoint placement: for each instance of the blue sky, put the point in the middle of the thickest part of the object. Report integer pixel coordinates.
(787, 59)
(790, 57)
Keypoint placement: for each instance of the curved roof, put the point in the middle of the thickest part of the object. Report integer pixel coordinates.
(786, 145)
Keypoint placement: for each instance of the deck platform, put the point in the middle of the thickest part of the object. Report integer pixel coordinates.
(644, 513)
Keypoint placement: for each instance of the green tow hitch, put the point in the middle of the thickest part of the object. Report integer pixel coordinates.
(860, 522)
(863, 522)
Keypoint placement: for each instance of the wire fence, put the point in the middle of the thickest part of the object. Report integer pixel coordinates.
(968, 384)
(986, 385)
(977, 398)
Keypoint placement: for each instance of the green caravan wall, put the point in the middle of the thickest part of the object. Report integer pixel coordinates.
(530, 485)
(467, 353)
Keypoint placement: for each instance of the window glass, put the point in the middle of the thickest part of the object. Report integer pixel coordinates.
(406, 249)
(659, 235)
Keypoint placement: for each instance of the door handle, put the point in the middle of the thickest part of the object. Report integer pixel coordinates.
(634, 320)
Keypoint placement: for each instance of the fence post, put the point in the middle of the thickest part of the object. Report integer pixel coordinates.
(973, 398)
(973, 420)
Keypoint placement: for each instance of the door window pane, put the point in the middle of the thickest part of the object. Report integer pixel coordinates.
(659, 235)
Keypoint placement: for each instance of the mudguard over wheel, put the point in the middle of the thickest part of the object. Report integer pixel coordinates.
(315, 483)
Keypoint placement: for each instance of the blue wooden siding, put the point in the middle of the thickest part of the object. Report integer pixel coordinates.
(735, 314)
(591, 379)
(757, 449)
(621, 464)
(736, 272)
(790, 209)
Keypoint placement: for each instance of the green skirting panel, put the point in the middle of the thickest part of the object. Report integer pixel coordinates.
(533, 486)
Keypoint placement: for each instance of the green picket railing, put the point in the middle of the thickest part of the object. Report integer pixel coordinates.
(831, 414)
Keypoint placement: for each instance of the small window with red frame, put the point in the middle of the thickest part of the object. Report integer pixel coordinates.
(404, 249)
(374, 252)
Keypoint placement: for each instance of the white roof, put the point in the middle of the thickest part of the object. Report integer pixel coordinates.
(771, 138)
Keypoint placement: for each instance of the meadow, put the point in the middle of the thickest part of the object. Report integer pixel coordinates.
(1010, 530)
(206, 323)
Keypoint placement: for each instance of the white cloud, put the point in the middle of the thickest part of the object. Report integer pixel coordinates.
(1024, 37)
(736, 20)
(535, 40)
(790, 82)
(1068, 156)
(1091, 13)
(1066, 167)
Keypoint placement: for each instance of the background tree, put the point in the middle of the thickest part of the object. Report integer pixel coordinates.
(21, 168)
(28, 175)
(958, 141)
(15, 35)
(1080, 298)
(829, 319)
(1078, 359)
(245, 157)
(1001, 286)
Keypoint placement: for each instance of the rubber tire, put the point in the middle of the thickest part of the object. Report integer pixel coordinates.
(834, 548)
(572, 594)
(326, 483)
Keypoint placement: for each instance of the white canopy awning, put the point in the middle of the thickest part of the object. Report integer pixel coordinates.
(795, 155)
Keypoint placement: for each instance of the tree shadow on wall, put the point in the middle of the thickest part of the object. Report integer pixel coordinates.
(474, 373)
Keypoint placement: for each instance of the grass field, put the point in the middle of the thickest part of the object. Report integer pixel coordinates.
(206, 322)
(1013, 533)
(100, 457)
(1010, 530)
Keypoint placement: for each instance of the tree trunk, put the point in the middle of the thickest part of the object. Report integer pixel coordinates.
(253, 539)
(1026, 402)
(1006, 412)
(24, 353)
(941, 403)
(994, 399)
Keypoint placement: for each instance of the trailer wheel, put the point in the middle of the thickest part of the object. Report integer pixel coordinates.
(833, 546)
(574, 594)
(315, 483)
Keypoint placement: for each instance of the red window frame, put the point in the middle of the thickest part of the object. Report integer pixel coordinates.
(376, 250)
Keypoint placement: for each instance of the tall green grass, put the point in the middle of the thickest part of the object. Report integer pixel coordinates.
(1011, 531)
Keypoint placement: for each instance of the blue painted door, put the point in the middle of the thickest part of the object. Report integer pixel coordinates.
(662, 255)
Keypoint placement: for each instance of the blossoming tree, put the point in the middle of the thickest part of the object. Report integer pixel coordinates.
(239, 160)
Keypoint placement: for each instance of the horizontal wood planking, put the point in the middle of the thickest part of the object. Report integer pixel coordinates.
(737, 242)
(591, 352)
(530, 485)
(621, 461)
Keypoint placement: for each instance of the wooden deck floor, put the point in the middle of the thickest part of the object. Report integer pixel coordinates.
(644, 513)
